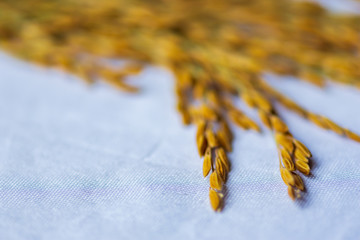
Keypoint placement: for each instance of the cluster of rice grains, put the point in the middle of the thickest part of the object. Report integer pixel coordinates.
(217, 51)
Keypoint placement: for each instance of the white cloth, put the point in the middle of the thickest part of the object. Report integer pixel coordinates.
(80, 162)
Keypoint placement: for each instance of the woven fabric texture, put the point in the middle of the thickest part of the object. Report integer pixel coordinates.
(80, 162)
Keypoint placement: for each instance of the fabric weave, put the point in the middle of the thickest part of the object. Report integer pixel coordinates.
(82, 162)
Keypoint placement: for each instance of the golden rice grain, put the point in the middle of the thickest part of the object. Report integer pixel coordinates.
(301, 147)
(251, 124)
(224, 140)
(225, 127)
(298, 182)
(247, 99)
(214, 99)
(221, 156)
(261, 102)
(285, 141)
(130, 69)
(201, 142)
(313, 78)
(287, 177)
(299, 155)
(352, 135)
(302, 166)
(186, 118)
(207, 164)
(215, 200)
(208, 113)
(287, 160)
(221, 169)
(317, 120)
(201, 126)
(264, 118)
(243, 121)
(237, 119)
(278, 125)
(333, 126)
(211, 138)
(114, 79)
(215, 181)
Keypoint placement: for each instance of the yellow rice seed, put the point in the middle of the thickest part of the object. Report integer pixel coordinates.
(262, 103)
(287, 160)
(278, 125)
(224, 140)
(293, 106)
(221, 156)
(198, 91)
(352, 135)
(194, 112)
(251, 124)
(227, 103)
(132, 69)
(221, 169)
(301, 147)
(313, 78)
(117, 83)
(333, 126)
(298, 182)
(225, 127)
(201, 124)
(302, 166)
(248, 100)
(287, 177)
(201, 144)
(240, 123)
(208, 113)
(220, 152)
(235, 113)
(264, 118)
(214, 99)
(317, 120)
(186, 118)
(215, 181)
(300, 156)
(237, 118)
(285, 141)
(207, 164)
(128, 88)
(215, 200)
(211, 138)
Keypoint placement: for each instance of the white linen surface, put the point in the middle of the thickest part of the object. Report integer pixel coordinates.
(80, 162)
